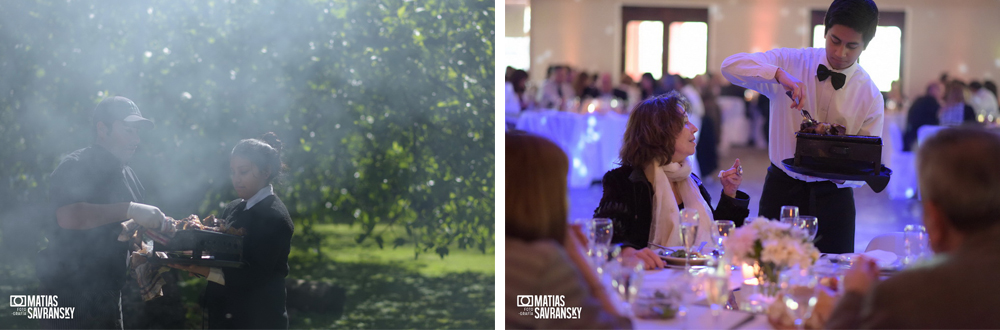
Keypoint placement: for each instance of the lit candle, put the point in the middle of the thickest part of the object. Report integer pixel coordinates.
(748, 274)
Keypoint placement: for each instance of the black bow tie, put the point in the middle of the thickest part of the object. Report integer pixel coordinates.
(822, 72)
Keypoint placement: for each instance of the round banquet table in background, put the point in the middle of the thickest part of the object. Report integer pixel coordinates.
(591, 141)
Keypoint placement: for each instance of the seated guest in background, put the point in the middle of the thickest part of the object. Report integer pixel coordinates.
(924, 111)
(644, 196)
(983, 101)
(631, 90)
(960, 187)
(606, 92)
(582, 85)
(648, 86)
(992, 87)
(519, 80)
(514, 101)
(552, 95)
(955, 110)
(543, 256)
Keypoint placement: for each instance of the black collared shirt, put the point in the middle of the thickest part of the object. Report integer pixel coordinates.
(92, 257)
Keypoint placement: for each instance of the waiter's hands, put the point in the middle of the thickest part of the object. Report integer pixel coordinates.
(648, 257)
(795, 87)
(146, 215)
(731, 179)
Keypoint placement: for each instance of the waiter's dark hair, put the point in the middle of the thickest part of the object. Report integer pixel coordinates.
(264, 152)
(652, 130)
(860, 15)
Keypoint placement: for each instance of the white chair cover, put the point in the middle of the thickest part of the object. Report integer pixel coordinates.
(892, 242)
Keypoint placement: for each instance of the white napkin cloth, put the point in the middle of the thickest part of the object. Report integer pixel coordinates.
(884, 259)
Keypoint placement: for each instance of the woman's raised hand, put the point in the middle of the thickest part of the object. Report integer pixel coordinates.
(731, 179)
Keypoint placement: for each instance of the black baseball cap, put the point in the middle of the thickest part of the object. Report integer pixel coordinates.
(120, 108)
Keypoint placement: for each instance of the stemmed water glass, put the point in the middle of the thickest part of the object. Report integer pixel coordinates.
(626, 278)
(799, 293)
(788, 214)
(809, 223)
(587, 228)
(602, 229)
(689, 233)
(721, 231)
(716, 288)
(690, 289)
(914, 243)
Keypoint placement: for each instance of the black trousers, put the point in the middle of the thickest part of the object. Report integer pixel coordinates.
(833, 207)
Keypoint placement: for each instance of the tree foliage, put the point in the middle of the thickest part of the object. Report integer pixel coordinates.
(385, 107)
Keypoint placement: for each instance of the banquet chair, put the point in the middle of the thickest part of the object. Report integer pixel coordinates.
(892, 242)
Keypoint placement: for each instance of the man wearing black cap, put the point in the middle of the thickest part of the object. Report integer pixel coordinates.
(92, 191)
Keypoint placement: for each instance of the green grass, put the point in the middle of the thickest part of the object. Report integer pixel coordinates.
(389, 289)
(385, 288)
(339, 245)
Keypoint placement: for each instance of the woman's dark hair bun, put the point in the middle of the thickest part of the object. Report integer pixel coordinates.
(272, 140)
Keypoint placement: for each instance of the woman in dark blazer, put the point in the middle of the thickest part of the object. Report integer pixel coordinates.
(253, 296)
(644, 196)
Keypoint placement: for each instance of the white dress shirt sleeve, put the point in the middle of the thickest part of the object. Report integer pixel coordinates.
(756, 70)
(215, 275)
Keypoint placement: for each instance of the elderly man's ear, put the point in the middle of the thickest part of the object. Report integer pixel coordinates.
(942, 236)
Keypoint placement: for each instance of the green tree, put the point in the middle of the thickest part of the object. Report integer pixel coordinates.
(385, 107)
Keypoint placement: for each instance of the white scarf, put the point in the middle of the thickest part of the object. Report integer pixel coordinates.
(665, 225)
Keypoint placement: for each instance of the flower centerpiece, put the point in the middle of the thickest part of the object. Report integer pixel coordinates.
(770, 247)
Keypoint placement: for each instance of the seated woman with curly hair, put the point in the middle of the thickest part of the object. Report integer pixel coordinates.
(644, 196)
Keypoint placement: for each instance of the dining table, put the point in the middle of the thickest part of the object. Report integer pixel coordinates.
(698, 314)
(591, 141)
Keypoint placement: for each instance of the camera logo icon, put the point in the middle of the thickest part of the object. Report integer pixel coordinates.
(524, 301)
(18, 301)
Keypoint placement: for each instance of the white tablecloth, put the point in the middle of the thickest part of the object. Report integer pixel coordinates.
(699, 317)
(591, 141)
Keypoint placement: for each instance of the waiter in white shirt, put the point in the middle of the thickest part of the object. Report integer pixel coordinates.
(835, 89)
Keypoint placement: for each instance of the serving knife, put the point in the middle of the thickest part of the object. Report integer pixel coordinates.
(805, 114)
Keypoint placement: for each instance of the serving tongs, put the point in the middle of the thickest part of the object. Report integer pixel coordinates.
(805, 114)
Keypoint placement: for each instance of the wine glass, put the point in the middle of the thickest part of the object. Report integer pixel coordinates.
(716, 290)
(603, 229)
(914, 243)
(722, 230)
(799, 293)
(789, 213)
(627, 278)
(689, 233)
(809, 223)
(587, 227)
(690, 289)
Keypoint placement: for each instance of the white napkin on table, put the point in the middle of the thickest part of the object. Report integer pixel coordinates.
(884, 259)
